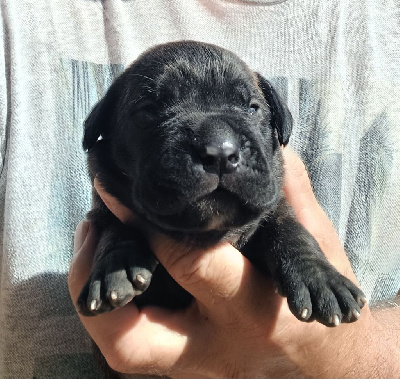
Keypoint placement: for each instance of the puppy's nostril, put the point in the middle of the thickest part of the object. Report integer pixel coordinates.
(234, 158)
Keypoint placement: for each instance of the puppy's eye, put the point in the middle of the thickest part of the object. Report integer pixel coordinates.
(147, 107)
(252, 109)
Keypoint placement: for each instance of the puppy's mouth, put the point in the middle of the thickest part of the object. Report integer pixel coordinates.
(219, 210)
(214, 211)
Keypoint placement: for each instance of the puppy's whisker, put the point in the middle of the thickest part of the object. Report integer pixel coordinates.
(144, 76)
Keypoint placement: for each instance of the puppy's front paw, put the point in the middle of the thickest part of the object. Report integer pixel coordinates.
(116, 278)
(316, 291)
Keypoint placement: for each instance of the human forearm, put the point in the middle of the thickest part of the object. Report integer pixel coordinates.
(380, 345)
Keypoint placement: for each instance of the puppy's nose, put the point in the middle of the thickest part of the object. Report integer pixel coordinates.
(220, 158)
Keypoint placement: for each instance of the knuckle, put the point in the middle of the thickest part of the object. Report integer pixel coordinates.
(187, 264)
(193, 268)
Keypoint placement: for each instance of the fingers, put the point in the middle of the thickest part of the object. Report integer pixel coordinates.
(222, 280)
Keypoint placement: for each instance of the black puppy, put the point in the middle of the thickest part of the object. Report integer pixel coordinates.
(190, 141)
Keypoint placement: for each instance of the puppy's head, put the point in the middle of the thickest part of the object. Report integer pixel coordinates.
(197, 135)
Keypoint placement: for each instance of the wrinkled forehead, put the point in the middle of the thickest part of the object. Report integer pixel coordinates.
(208, 81)
(209, 75)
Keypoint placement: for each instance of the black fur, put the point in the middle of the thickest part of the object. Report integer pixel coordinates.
(191, 143)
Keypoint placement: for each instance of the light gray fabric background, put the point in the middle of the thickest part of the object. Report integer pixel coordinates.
(337, 63)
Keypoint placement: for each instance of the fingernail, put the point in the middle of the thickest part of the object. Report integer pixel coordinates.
(82, 231)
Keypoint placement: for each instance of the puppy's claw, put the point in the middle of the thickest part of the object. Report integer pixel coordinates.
(304, 314)
(114, 295)
(140, 279)
(363, 300)
(278, 288)
(335, 320)
(93, 305)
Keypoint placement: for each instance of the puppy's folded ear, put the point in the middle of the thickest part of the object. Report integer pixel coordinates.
(98, 122)
(281, 118)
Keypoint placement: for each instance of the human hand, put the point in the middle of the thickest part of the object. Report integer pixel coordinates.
(237, 326)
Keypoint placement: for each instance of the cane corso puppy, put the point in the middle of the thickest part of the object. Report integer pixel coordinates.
(189, 138)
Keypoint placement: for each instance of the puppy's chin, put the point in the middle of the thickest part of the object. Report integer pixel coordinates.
(219, 211)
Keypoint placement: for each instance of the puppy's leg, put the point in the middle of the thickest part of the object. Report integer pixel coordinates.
(301, 272)
(122, 268)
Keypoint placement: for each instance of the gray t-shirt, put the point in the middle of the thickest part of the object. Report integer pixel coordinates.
(336, 63)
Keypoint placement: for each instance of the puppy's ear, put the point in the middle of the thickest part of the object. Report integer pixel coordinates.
(281, 118)
(98, 122)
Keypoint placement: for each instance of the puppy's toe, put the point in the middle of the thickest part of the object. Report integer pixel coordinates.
(94, 298)
(118, 289)
(350, 298)
(299, 301)
(89, 301)
(140, 278)
(326, 309)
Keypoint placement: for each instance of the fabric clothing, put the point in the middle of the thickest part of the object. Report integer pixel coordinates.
(336, 63)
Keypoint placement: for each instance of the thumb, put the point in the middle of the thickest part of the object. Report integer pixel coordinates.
(84, 246)
(297, 188)
(299, 194)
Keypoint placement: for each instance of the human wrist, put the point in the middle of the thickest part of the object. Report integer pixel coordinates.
(360, 349)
